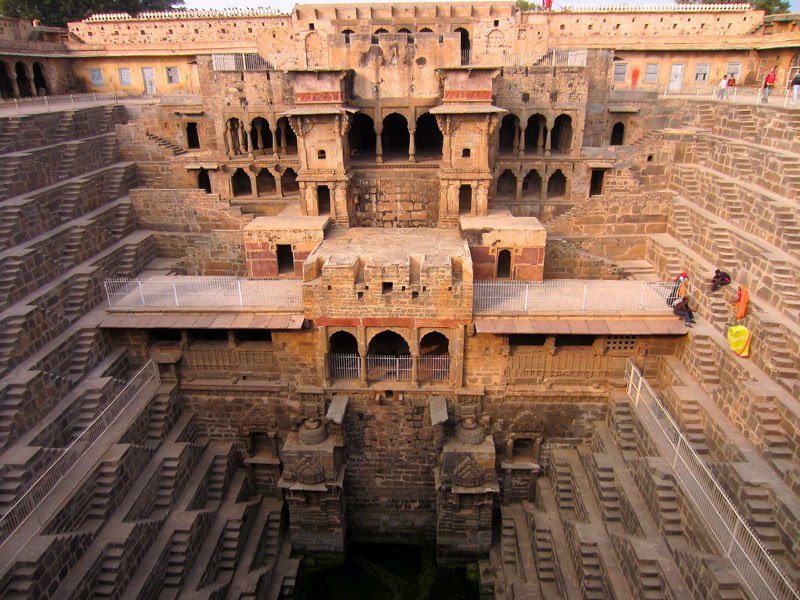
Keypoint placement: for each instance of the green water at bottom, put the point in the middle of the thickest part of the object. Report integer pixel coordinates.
(385, 572)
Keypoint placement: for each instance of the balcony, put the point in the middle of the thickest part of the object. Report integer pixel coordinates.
(430, 369)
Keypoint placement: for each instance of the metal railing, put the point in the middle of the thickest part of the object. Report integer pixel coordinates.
(56, 103)
(164, 292)
(738, 94)
(240, 62)
(551, 58)
(344, 366)
(23, 507)
(571, 295)
(760, 573)
(434, 368)
(388, 368)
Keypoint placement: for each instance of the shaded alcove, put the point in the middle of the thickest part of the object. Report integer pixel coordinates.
(260, 134)
(504, 264)
(395, 137)
(427, 137)
(465, 45)
(388, 343)
(23, 81)
(203, 180)
(532, 184)
(192, 137)
(535, 129)
(39, 80)
(285, 258)
(465, 199)
(265, 183)
(618, 134)
(561, 136)
(323, 200)
(287, 140)
(343, 342)
(556, 185)
(506, 185)
(361, 136)
(6, 85)
(507, 138)
(289, 183)
(241, 183)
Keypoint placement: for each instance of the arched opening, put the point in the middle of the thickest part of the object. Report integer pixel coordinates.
(285, 257)
(192, 137)
(535, 133)
(388, 357)
(343, 358)
(347, 33)
(509, 134)
(323, 200)
(525, 449)
(465, 199)
(361, 136)
(236, 136)
(465, 45)
(394, 136)
(404, 30)
(427, 137)
(434, 357)
(321, 155)
(260, 134)
(381, 30)
(556, 185)
(287, 139)
(532, 185)
(241, 183)
(39, 81)
(203, 180)
(504, 264)
(617, 134)
(506, 185)
(561, 135)
(23, 81)
(426, 30)
(265, 183)
(289, 183)
(6, 86)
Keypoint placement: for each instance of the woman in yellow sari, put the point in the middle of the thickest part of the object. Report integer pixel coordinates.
(740, 308)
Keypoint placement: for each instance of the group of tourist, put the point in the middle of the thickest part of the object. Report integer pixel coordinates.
(728, 82)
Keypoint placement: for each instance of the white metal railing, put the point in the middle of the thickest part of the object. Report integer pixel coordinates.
(551, 58)
(760, 573)
(739, 94)
(240, 62)
(570, 295)
(386, 368)
(23, 507)
(63, 102)
(434, 368)
(164, 292)
(344, 366)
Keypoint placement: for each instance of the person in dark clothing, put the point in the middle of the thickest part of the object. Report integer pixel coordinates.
(719, 279)
(682, 310)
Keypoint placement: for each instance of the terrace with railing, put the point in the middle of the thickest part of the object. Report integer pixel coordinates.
(425, 369)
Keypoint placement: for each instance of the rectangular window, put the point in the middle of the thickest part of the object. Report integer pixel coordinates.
(620, 70)
(172, 75)
(701, 72)
(96, 75)
(124, 76)
(734, 69)
(651, 73)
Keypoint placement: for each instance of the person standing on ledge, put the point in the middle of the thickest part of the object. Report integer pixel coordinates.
(795, 87)
(723, 87)
(769, 83)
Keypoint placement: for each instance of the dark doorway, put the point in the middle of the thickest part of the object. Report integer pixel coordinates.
(6, 86)
(507, 139)
(388, 343)
(343, 342)
(265, 183)
(192, 139)
(532, 185)
(23, 81)
(289, 182)
(285, 259)
(596, 184)
(362, 136)
(203, 180)
(323, 200)
(556, 185)
(617, 134)
(504, 264)
(347, 33)
(427, 137)
(507, 185)
(260, 134)
(394, 136)
(434, 344)
(465, 45)
(287, 140)
(562, 134)
(534, 130)
(39, 80)
(241, 183)
(465, 199)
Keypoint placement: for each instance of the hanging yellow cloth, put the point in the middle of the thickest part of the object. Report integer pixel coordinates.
(739, 340)
(740, 308)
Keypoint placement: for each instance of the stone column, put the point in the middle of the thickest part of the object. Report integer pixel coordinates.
(278, 184)
(325, 344)
(275, 141)
(14, 84)
(543, 191)
(230, 136)
(259, 138)
(242, 138)
(540, 141)
(378, 145)
(412, 149)
(253, 184)
(522, 141)
(283, 137)
(518, 191)
(362, 352)
(415, 369)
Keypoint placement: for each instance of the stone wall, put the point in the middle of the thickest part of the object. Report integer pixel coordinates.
(408, 198)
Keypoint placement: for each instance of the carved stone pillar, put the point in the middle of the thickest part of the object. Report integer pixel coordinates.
(242, 138)
(378, 145)
(275, 141)
(540, 141)
(412, 149)
(522, 141)
(259, 138)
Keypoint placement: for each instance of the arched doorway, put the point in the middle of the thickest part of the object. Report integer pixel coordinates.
(617, 134)
(509, 134)
(434, 357)
(427, 137)
(394, 136)
(504, 264)
(236, 136)
(561, 135)
(39, 80)
(241, 183)
(260, 134)
(532, 185)
(323, 200)
(465, 199)
(535, 133)
(347, 33)
(6, 86)
(203, 180)
(289, 183)
(265, 183)
(361, 136)
(388, 358)
(343, 359)
(23, 81)
(507, 185)
(556, 185)
(465, 45)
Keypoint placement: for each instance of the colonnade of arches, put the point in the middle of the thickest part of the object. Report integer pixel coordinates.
(261, 182)
(531, 185)
(259, 137)
(22, 80)
(533, 136)
(395, 138)
(389, 356)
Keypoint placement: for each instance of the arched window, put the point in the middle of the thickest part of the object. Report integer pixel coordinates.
(434, 357)
(561, 137)
(395, 135)
(203, 180)
(381, 30)
(39, 81)
(361, 136)
(260, 134)
(465, 45)
(388, 357)
(504, 264)
(236, 136)
(323, 200)
(535, 134)
(507, 185)
(427, 137)
(241, 183)
(617, 134)
(347, 33)
(343, 357)
(23, 81)
(426, 30)
(509, 134)
(556, 185)
(404, 30)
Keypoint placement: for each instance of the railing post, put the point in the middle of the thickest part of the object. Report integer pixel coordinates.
(527, 289)
(239, 288)
(641, 296)
(141, 293)
(734, 535)
(175, 293)
(583, 303)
